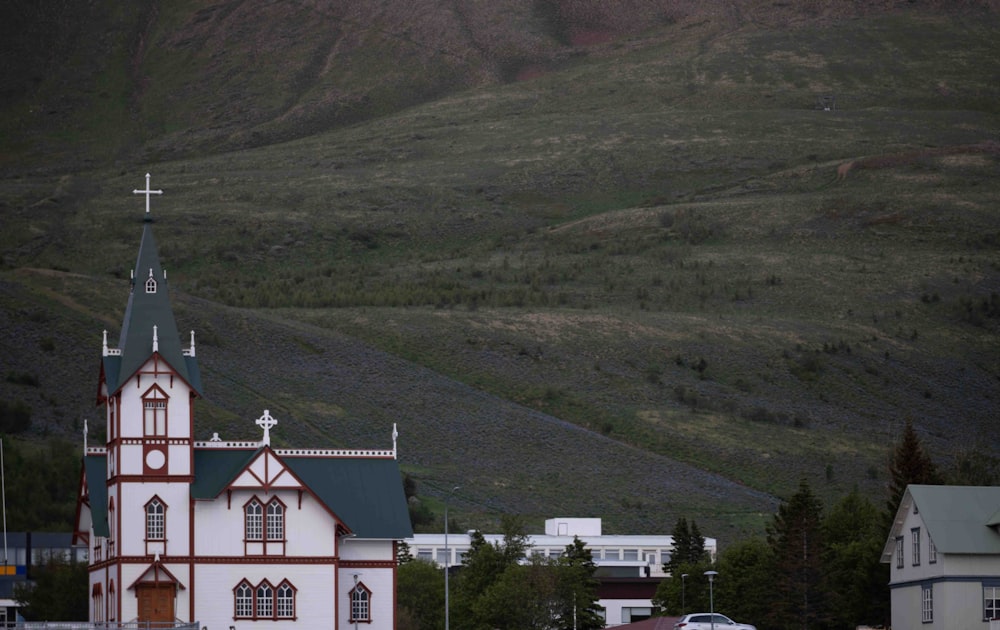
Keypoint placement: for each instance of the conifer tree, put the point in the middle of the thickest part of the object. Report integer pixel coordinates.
(796, 539)
(909, 463)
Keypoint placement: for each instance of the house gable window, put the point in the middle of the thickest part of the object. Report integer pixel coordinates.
(263, 601)
(899, 552)
(991, 601)
(275, 520)
(150, 283)
(927, 603)
(931, 551)
(156, 519)
(915, 537)
(360, 604)
(254, 520)
(259, 529)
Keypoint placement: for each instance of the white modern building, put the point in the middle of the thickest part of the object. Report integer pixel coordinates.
(225, 534)
(944, 557)
(630, 567)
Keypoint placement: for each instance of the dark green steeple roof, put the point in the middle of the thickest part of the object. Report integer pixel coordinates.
(149, 307)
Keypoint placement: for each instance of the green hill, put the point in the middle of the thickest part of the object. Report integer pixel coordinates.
(592, 261)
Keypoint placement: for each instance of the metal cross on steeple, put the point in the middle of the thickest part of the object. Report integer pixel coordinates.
(147, 192)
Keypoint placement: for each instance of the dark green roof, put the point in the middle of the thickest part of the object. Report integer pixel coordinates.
(143, 312)
(96, 468)
(365, 493)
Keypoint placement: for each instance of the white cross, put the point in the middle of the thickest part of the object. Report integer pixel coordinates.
(266, 422)
(147, 192)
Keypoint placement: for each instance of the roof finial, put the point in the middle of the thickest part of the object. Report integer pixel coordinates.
(156, 341)
(266, 422)
(147, 192)
(84, 436)
(395, 434)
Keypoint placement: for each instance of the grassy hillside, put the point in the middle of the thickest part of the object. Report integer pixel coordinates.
(604, 266)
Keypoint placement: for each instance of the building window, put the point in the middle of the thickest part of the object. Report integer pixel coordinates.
(97, 595)
(264, 601)
(899, 552)
(285, 601)
(154, 413)
(275, 520)
(244, 601)
(112, 602)
(360, 604)
(991, 603)
(259, 530)
(931, 550)
(915, 536)
(150, 285)
(155, 519)
(927, 603)
(254, 513)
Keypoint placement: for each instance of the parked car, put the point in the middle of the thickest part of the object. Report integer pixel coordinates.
(703, 621)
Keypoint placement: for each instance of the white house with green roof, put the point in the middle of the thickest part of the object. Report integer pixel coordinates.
(226, 534)
(944, 554)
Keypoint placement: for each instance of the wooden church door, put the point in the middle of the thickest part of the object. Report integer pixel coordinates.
(156, 601)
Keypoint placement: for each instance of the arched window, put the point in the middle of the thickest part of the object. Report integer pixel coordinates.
(244, 600)
(155, 519)
(150, 284)
(275, 520)
(97, 595)
(112, 601)
(254, 519)
(360, 604)
(285, 601)
(265, 601)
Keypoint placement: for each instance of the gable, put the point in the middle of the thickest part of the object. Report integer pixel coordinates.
(959, 519)
(364, 493)
(265, 471)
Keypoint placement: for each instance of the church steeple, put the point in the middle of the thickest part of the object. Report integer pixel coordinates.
(149, 326)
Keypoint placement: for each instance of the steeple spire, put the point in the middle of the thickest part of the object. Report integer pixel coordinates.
(148, 326)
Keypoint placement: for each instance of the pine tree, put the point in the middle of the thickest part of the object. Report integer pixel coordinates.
(796, 539)
(910, 463)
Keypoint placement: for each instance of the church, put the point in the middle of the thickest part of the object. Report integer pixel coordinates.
(228, 535)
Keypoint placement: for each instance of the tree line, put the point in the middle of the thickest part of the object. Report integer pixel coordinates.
(814, 567)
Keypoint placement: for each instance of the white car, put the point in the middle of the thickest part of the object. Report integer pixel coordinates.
(703, 621)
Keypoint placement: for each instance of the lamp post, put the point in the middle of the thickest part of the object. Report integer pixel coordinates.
(711, 596)
(684, 577)
(447, 556)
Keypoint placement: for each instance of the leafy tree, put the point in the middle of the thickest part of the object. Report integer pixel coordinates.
(41, 480)
(677, 595)
(420, 593)
(59, 592)
(743, 588)
(482, 567)
(403, 553)
(796, 539)
(577, 589)
(525, 597)
(856, 579)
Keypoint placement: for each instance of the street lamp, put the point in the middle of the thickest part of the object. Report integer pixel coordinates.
(447, 556)
(684, 577)
(711, 596)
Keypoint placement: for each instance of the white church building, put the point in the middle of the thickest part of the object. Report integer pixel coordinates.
(223, 534)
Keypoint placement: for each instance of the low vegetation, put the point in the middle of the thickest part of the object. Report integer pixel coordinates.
(653, 279)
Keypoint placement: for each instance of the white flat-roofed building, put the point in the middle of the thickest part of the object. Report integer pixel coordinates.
(629, 566)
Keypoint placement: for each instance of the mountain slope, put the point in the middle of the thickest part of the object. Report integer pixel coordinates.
(631, 285)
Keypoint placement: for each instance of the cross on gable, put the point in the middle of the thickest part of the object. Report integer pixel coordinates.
(266, 422)
(147, 192)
